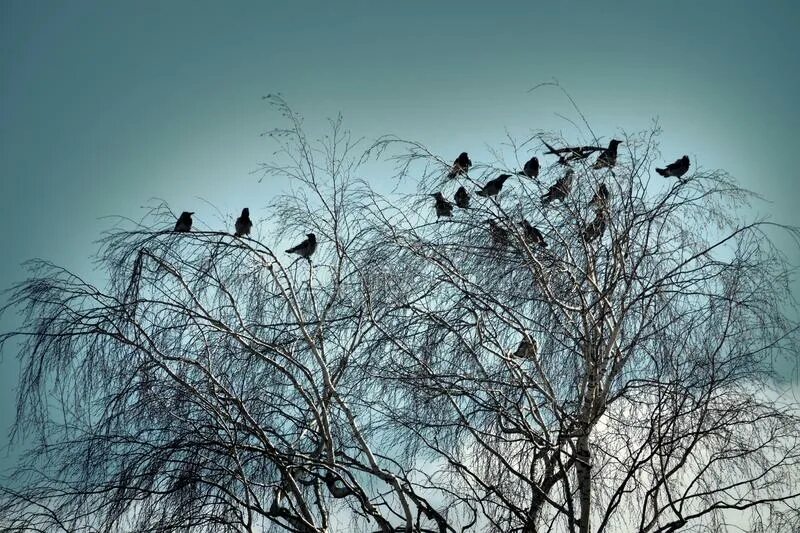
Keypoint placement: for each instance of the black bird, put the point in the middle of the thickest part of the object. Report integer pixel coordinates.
(499, 235)
(243, 223)
(462, 198)
(560, 189)
(184, 222)
(460, 165)
(443, 207)
(677, 169)
(600, 198)
(494, 186)
(608, 158)
(531, 168)
(596, 227)
(527, 349)
(305, 248)
(532, 234)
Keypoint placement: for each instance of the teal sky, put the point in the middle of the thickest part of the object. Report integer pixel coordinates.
(107, 105)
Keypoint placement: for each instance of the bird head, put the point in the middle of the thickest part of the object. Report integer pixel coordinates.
(311, 236)
(437, 195)
(614, 142)
(685, 158)
(186, 214)
(246, 212)
(503, 177)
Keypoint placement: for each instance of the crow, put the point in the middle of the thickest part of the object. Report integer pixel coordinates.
(560, 189)
(532, 234)
(494, 186)
(462, 198)
(443, 207)
(527, 349)
(305, 248)
(184, 222)
(499, 235)
(595, 228)
(460, 165)
(677, 169)
(531, 168)
(608, 158)
(600, 198)
(243, 223)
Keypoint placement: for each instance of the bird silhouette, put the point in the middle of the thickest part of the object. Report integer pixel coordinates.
(608, 157)
(306, 248)
(243, 223)
(443, 207)
(460, 165)
(600, 198)
(532, 234)
(596, 227)
(499, 235)
(677, 169)
(184, 222)
(462, 198)
(494, 186)
(527, 349)
(560, 189)
(531, 168)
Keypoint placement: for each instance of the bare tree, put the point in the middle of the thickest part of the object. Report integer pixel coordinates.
(420, 374)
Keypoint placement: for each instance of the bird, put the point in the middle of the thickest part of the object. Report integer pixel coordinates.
(462, 198)
(532, 234)
(595, 228)
(184, 222)
(531, 168)
(443, 207)
(608, 158)
(305, 248)
(494, 186)
(527, 349)
(560, 189)
(677, 169)
(499, 235)
(460, 165)
(600, 197)
(243, 223)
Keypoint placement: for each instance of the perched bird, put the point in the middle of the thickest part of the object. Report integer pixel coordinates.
(184, 222)
(443, 207)
(499, 235)
(527, 349)
(305, 248)
(677, 169)
(460, 165)
(462, 198)
(560, 189)
(531, 168)
(600, 198)
(494, 186)
(243, 223)
(596, 227)
(532, 234)
(608, 158)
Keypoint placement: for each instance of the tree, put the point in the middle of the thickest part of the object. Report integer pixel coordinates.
(419, 375)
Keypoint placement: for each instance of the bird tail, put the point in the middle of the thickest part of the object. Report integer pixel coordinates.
(291, 250)
(662, 171)
(482, 193)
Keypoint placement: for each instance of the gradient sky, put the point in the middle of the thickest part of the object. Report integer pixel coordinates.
(107, 105)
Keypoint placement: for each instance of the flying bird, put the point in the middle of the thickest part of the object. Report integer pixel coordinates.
(460, 165)
(532, 234)
(499, 235)
(595, 228)
(608, 158)
(443, 207)
(494, 186)
(560, 189)
(305, 248)
(531, 168)
(677, 169)
(527, 349)
(184, 222)
(462, 198)
(243, 223)
(600, 198)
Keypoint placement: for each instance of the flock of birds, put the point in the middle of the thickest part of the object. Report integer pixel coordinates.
(500, 236)
(558, 191)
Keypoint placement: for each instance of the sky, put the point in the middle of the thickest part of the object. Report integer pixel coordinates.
(105, 106)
